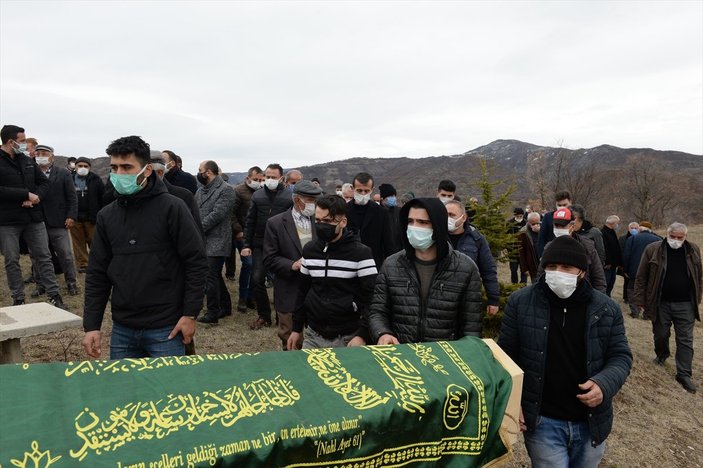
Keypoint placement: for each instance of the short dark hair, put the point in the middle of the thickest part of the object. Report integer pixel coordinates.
(254, 170)
(10, 132)
(212, 166)
(578, 210)
(334, 203)
(275, 166)
(446, 185)
(562, 195)
(128, 145)
(363, 178)
(171, 154)
(71, 159)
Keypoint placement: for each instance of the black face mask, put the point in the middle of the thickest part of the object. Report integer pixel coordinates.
(326, 232)
(202, 179)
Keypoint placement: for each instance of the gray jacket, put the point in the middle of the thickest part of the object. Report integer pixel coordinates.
(281, 249)
(215, 202)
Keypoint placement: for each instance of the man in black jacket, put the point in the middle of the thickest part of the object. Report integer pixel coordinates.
(570, 341)
(429, 291)
(89, 193)
(148, 242)
(175, 174)
(60, 211)
(275, 198)
(23, 186)
(613, 254)
(369, 220)
(337, 278)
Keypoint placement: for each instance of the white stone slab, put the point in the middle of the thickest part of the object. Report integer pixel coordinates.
(34, 319)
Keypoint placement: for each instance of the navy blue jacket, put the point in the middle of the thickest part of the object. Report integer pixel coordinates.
(61, 200)
(475, 246)
(546, 232)
(181, 178)
(634, 247)
(523, 336)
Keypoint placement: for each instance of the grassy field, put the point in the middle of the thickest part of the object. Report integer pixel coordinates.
(657, 423)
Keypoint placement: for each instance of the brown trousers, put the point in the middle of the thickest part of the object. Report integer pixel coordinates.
(81, 238)
(285, 327)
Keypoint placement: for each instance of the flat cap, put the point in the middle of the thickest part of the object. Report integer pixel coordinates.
(44, 148)
(307, 189)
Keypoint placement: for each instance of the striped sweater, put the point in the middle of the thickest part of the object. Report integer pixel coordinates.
(336, 287)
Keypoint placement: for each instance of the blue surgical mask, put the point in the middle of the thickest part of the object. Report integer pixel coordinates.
(126, 184)
(420, 238)
(391, 201)
(634, 232)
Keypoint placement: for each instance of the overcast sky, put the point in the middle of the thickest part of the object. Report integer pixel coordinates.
(308, 82)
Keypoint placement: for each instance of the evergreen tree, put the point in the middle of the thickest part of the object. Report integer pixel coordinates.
(490, 214)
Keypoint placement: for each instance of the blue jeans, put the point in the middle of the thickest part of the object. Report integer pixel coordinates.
(138, 343)
(554, 443)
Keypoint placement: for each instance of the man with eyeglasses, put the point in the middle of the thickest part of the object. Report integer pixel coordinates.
(337, 280)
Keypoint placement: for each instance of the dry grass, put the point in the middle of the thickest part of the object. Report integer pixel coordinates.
(657, 424)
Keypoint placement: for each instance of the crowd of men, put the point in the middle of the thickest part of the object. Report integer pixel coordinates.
(361, 266)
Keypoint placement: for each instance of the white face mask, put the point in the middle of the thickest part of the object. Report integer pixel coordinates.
(309, 210)
(82, 171)
(272, 184)
(562, 284)
(518, 219)
(673, 243)
(446, 200)
(560, 232)
(254, 184)
(42, 160)
(339, 193)
(361, 199)
(454, 224)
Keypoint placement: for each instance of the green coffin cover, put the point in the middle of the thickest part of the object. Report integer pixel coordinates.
(429, 404)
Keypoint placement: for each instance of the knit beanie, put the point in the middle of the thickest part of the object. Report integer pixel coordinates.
(565, 250)
(386, 190)
(84, 160)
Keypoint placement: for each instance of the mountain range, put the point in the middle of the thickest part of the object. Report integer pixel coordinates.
(528, 167)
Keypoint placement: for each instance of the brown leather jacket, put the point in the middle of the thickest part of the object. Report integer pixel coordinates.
(242, 200)
(650, 276)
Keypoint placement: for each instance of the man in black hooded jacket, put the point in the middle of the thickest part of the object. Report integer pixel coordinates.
(428, 291)
(148, 257)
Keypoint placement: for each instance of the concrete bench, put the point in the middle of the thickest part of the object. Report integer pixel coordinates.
(17, 322)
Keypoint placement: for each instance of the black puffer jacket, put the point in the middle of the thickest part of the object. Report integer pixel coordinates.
(147, 253)
(453, 306)
(264, 204)
(19, 176)
(523, 335)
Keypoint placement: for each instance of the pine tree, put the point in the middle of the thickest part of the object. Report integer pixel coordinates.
(491, 214)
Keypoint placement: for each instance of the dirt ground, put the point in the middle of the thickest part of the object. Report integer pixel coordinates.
(657, 423)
